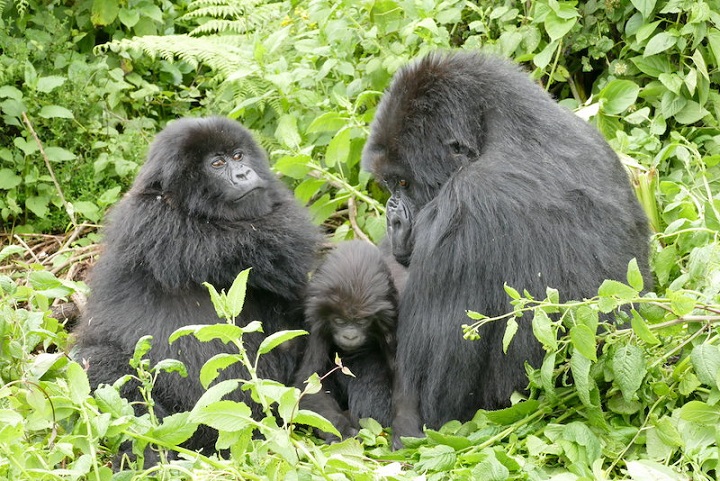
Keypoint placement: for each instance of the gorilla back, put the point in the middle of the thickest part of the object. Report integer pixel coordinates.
(204, 207)
(492, 182)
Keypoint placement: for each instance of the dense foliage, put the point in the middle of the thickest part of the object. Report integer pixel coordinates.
(85, 85)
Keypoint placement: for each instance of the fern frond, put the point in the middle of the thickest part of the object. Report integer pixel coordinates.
(219, 53)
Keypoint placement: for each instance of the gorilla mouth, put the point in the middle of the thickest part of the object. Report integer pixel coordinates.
(246, 193)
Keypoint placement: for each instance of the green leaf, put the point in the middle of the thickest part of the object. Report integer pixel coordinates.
(78, 383)
(583, 340)
(672, 81)
(706, 362)
(104, 12)
(510, 330)
(327, 122)
(580, 367)
(513, 293)
(45, 283)
(207, 332)
(713, 37)
(236, 293)
(58, 154)
(546, 374)
(55, 111)
(315, 420)
(175, 429)
(587, 316)
(338, 149)
(623, 292)
(680, 304)
(671, 104)
(701, 413)
(295, 166)
(490, 468)
(38, 205)
(219, 302)
(629, 367)
(508, 416)
(129, 17)
(659, 43)
(634, 276)
(646, 470)
(9, 179)
(692, 112)
(618, 95)
(645, 7)
(543, 330)
(277, 338)
(223, 415)
(436, 458)
(49, 83)
(287, 131)
(212, 367)
(640, 328)
(653, 66)
(557, 27)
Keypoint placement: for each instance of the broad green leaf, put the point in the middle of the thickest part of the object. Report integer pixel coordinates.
(510, 330)
(611, 288)
(78, 383)
(295, 166)
(692, 112)
(645, 7)
(543, 330)
(618, 95)
(315, 420)
(216, 392)
(277, 338)
(580, 367)
(546, 374)
(236, 293)
(680, 304)
(9, 179)
(558, 25)
(49, 83)
(653, 66)
(58, 154)
(701, 413)
(513, 293)
(583, 340)
(212, 367)
(55, 111)
(219, 302)
(706, 362)
(475, 316)
(207, 332)
(671, 104)
(507, 416)
(641, 329)
(287, 131)
(338, 149)
(129, 17)
(629, 367)
(634, 276)
(659, 43)
(672, 81)
(104, 12)
(38, 205)
(647, 470)
(175, 429)
(171, 365)
(436, 458)
(310, 187)
(490, 468)
(587, 316)
(223, 415)
(713, 37)
(667, 432)
(45, 283)
(327, 122)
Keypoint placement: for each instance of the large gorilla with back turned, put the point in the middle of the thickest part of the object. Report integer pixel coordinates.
(204, 206)
(492, 182)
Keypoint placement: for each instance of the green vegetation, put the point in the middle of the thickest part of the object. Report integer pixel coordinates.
(85, 85)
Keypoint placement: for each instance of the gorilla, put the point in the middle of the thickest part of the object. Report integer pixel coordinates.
(204, 206)
(491, 182)
(351, 310)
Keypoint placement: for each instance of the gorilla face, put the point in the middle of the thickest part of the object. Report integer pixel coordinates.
(211, 169)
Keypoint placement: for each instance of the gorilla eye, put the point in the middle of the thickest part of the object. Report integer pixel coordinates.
(238, 155)
(403, 183)
(218, 162)
(339, 321)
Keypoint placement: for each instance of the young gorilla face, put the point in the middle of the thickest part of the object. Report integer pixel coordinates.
(212, 169)
(349, 334)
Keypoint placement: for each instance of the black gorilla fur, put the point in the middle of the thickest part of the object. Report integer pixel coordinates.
(351, 310)
(492, 182)
(204, 207)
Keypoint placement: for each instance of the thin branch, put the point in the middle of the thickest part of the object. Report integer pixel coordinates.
(352, 215)
(68, 207)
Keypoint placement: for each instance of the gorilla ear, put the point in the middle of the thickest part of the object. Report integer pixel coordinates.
(458, 147)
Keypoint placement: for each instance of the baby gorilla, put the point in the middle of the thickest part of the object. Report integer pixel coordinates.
(351, 311)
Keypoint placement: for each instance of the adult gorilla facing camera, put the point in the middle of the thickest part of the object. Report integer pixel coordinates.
(492, 182)
(204, 206)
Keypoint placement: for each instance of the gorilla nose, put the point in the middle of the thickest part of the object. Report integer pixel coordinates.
(245, 173)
